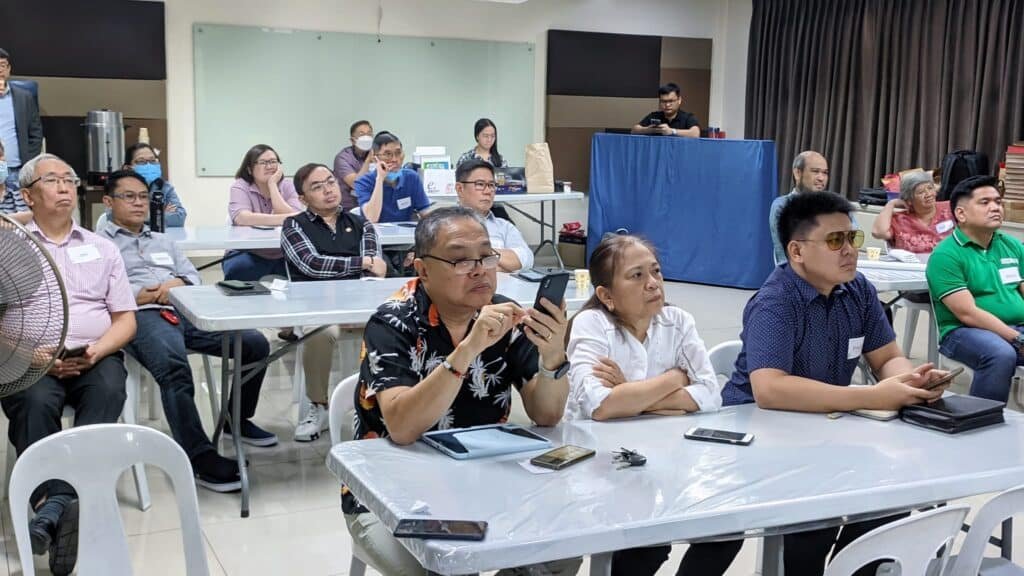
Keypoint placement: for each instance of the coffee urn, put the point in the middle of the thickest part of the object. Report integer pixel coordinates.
(104, 137)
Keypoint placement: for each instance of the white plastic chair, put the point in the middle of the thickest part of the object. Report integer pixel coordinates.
(723, 356)
(341, 405)
(101, 452)
(139, 377)
(912, 542)
(971, 561)
(101, 221)
(914, 310)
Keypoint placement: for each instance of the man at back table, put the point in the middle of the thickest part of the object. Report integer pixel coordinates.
(974, 277)
(446, 353)
(669, 120)
(475, 185)
(155, 265)
(804, 332)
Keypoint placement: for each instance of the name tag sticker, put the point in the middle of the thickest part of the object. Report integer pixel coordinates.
(944, 226)
(1008, 261)
(1009, 275)
(161, 259)
(84, 253)
(404, 203)
(854, 348)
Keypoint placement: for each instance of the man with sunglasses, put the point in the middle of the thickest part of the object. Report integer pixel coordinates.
(803, 335)
(668, 119)
(475, 185)
(445, 352)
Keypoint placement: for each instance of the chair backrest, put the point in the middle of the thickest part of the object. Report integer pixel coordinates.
(912, 542)
(342, 402)
(723, 356)
(102, 220)
(91, 458)
(999, 508)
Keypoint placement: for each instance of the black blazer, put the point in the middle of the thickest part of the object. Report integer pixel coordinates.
(26, 120)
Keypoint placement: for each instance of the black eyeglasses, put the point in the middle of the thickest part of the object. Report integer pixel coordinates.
(835, 240)
(464, 266)
(132, 197)
(481, 185)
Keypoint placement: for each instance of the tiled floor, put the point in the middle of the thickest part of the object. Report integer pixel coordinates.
(296, 525)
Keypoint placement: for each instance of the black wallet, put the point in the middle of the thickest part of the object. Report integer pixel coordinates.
(955, 413)
(239, 288)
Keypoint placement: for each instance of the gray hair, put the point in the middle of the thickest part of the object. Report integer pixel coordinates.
(429, 227)
(909, 183)
(801, 159)
(28, 170)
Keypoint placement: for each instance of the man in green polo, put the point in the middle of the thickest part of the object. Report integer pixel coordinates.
(974, 277)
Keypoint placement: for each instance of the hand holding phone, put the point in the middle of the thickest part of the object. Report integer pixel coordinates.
(75, 352)
(944, 380)
(545, 324)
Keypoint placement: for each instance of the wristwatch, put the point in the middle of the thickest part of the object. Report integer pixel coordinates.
(1018, 342)
(556, 373)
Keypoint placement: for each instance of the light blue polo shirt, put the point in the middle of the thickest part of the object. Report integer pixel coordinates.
(401, 202)
(9, 130)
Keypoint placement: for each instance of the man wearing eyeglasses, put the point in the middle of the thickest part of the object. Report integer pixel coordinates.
(803, 335)
(390, 193)
(475, 185)
(446, 352)
(91, 375)
(155, 265)
(20, 128)
(668, 119)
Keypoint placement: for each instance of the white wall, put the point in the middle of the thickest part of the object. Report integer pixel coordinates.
(725, 21)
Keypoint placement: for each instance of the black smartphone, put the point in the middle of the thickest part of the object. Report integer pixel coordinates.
(552, 287)
(76, 352)
(236, 285)
(722, 436)
(257, 227)
(945, 379)
(562, 457)
(430, 529)
(657, 119)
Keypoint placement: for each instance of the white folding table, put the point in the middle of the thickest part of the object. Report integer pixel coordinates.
(510, 200)
(249, 238)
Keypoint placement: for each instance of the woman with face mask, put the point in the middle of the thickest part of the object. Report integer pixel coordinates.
(143, 159)
(354, 161)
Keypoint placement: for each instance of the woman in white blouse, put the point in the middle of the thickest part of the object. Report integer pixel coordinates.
(632, 354)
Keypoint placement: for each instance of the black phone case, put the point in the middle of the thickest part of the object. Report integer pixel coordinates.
(553, 288)
(257, 288)
(399, 533)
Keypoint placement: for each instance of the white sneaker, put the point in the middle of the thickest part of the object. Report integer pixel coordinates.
(315, 422)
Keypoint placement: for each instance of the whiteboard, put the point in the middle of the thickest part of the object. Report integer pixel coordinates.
(299, 91)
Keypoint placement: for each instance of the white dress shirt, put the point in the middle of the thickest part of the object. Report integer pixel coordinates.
(672, 342)
(505, 236)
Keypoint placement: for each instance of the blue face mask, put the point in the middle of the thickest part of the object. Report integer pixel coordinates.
(149, 171)
(4, 172)
(392, 177)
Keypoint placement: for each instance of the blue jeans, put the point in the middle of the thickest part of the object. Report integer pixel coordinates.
(249, 267)
(161, 348)
(12, 178)
(992, 359)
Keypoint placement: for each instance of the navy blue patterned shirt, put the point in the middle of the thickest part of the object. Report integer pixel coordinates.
(789, 326)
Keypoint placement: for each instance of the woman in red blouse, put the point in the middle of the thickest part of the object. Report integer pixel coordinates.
(923, 221)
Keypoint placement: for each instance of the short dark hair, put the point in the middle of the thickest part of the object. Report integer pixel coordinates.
(4, 55)
(966, 187)
(669, 88)
(800, 214)
(245, 170)
(428, 228)
(384, 137)
(129, 152)
(466, 168)
(355, 126)
(303, 174)
(117, 176)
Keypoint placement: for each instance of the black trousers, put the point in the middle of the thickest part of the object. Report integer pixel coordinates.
(804, 553)
(703, 559)
(97, 397)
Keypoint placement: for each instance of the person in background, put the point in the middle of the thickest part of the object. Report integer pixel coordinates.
(922, 223)
(475, 185)
(632, 354)
(7, 197)
(486, 149)
(155, 265)
(325, 242)
(804, 332)
(669, 120)
(260, 196)
(390, 193)
(21, 130)
(354, 161)
(91, 376)
(974, 277)
(143, 159)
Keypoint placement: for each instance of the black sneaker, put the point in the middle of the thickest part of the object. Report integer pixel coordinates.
(253, 434)
(217, 473)
(64, 548)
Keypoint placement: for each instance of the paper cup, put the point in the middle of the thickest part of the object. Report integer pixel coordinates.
(874, 252)
(582, 279)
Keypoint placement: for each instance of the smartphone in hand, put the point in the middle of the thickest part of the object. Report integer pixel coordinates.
(552, 287)
(945, 379)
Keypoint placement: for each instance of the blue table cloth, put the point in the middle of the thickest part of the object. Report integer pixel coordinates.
(703, 203)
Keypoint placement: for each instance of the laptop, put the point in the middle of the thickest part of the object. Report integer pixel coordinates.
(510, 180)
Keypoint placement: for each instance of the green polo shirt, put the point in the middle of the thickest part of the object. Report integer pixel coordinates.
(992, 276)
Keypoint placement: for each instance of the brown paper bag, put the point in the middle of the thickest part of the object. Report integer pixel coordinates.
(540, 173)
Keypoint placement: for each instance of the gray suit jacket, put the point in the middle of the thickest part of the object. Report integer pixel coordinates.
(26, 120)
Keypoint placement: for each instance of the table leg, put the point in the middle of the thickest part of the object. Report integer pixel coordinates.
(236, 423)
(554, 224)
(1007, 538)
(601, 564)
(771, 561)
(225, 386)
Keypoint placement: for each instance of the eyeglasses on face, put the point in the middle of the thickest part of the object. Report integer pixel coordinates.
(390, 154)
(271, 163)
(464, 266)
(132, 197)
(321, 186)
(481, 185)
(145, 161)
(53, 180)
(835, 240)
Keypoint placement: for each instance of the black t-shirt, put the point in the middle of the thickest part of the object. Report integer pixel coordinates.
(682, 121)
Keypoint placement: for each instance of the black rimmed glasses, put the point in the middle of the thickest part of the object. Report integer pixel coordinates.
(464, 266)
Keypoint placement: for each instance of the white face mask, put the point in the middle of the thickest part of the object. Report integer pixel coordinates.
(364, 143)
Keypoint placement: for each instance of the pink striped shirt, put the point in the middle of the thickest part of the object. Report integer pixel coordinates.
(94, 278)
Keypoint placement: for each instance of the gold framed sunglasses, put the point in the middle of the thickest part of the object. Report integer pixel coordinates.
(835, 240)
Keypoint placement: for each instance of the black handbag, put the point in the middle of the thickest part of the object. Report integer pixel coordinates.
(872, 197)
(954, 413)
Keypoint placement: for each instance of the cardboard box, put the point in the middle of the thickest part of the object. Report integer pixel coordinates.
(1013, 210)
(574, 255)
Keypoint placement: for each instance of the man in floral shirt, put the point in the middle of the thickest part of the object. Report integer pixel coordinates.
(445, 352)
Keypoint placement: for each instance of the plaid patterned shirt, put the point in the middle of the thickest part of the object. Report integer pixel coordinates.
(314, 260)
